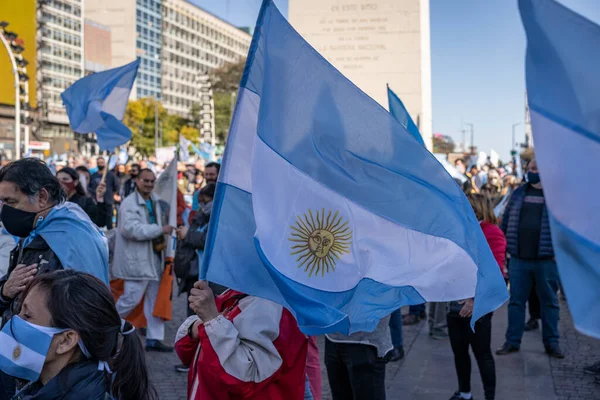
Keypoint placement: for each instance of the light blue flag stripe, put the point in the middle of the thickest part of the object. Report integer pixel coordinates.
(313, 118)
(36, 340)
(96, 104)
(562, 64)
(87, 248)
(401, 114)
(27, 374)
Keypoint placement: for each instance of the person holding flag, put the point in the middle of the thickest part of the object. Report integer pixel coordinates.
(140, 256)
(55, 234)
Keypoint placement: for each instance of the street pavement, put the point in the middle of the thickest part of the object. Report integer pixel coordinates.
(427, 371)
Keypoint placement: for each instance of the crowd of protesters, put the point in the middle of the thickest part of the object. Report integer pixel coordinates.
(233, 345)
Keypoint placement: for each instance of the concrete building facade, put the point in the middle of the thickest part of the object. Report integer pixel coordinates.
(60, 63)
(374, 43)
(97, 46)
(194, 43)
(177, 42)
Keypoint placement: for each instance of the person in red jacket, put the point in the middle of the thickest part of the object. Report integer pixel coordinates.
(241, 347)
(458, 317)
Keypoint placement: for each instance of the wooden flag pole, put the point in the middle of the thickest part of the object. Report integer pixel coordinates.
(106, 167)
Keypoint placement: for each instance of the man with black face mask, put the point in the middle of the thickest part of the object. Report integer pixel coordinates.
(529, 242)
(23, 204)
(112, 188)
(129, 185)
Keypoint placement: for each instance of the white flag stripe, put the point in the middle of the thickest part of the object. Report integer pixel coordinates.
(568, 198)
(380, 249)
(27, 358)
(236, 171)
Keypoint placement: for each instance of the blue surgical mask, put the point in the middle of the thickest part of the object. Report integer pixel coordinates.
(533, 177)
(24, 347)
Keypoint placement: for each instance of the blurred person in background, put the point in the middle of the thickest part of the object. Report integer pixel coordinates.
(84, 179)
(460, 312)
(527, 228)
(129, 186)
(112, 189)
(96, 210)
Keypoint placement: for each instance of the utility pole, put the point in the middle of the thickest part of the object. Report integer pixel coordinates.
(514, 148)
(155, 127)
(472, 136)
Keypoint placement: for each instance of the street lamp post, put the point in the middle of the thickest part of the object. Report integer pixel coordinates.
(513, 135)
(472, 136)
(13, 62)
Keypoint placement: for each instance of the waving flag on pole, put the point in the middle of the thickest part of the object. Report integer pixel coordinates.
(327, 206)
(399, 112)
(166, 190)
(97, 102)
(184, 148)
(563, 86)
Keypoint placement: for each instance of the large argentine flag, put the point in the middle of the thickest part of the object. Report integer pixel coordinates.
(563, 87)
(326, 205)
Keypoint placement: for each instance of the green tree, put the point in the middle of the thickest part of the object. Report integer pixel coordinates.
(225, 84)
(140, 118)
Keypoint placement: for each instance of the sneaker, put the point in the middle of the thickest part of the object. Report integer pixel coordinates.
(593, 369)
(396, 354)
(457, 396)
(182, 368)
(554, 351)
(410, 319)
(156, 345)
(507, 349)
(532, 325)
(438, 334)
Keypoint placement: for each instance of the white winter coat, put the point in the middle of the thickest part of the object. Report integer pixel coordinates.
(134, 256)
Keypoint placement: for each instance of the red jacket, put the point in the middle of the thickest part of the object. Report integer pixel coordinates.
(497, 242)
(253, 350)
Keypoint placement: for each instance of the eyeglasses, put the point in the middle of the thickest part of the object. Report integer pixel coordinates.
(148, 181)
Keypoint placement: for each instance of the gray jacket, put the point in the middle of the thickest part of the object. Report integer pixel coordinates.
(380, 338)
(134, 257)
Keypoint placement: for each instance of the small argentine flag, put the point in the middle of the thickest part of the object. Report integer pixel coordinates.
(326, 205)
(16, 359)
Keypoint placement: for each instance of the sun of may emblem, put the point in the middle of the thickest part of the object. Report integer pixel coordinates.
(320, 240)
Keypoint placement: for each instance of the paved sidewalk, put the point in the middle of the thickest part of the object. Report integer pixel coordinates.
(427, 371)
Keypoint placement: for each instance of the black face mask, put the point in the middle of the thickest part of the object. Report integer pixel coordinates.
(100, 167)
(17, 222)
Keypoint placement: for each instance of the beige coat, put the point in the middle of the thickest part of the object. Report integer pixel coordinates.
(134, 256)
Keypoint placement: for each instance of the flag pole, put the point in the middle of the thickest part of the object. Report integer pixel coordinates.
(107, 167)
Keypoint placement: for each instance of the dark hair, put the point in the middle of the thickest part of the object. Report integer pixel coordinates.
(146, 170)
(208, 190)
(135, 166)
(483, 208)
(32, 175)
(75, 176)
(459, 159)
(83, 168)
(213, 164)
(81, 302)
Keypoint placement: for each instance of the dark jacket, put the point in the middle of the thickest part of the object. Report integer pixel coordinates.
(77, 381)
(128, 187)
(38, 252)
(510, 226)
(96, 211)
(186, 255)
(112, 185)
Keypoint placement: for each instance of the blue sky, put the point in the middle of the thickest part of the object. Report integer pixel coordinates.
(477, 56)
